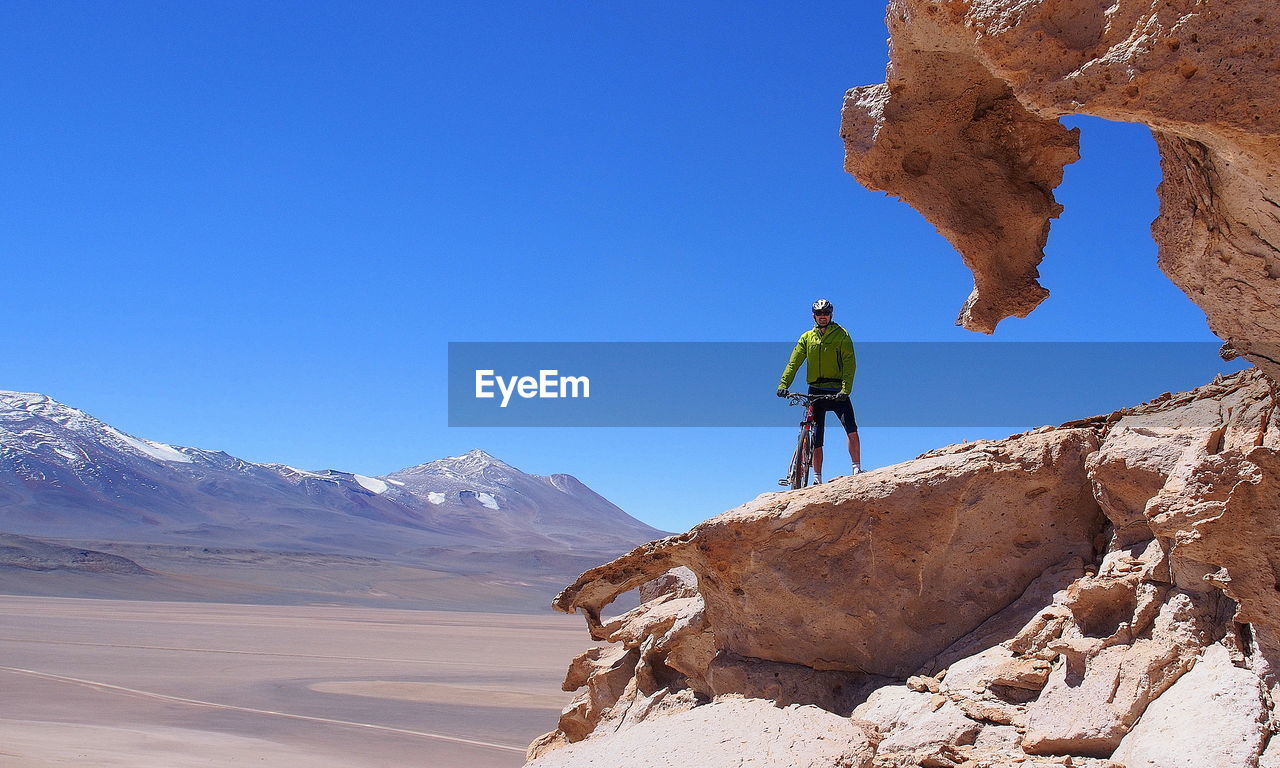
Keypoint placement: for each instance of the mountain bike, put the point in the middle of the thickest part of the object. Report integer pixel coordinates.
(802, 459)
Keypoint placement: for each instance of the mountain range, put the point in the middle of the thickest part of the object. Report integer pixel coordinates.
(437, 533)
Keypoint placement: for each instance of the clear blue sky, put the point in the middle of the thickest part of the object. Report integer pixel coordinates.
(255, 226)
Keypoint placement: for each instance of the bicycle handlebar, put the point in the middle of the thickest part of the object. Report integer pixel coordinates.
(796, 398)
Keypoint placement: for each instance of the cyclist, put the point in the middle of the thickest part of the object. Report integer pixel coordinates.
(827, 352)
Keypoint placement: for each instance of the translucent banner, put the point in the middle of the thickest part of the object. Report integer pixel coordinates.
(733, 384)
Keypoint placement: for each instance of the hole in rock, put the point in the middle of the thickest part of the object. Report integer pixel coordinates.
(1101, 608)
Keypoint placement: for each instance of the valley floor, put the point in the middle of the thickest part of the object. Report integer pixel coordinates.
(194, 685)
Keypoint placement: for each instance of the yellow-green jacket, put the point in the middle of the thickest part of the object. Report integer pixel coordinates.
(828, 358)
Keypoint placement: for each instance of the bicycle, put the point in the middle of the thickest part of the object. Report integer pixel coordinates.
(802, 459)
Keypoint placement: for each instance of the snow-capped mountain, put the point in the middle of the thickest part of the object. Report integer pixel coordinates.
(67, 475)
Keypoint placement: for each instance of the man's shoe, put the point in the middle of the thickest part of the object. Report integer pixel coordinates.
(817, 479)
(857, 470)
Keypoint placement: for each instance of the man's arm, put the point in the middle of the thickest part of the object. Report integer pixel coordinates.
(793, 365)
(850, 361)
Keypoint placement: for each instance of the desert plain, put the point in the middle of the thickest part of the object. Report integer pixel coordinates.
(195, 685)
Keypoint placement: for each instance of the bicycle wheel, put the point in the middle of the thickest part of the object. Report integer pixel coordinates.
(800, 461)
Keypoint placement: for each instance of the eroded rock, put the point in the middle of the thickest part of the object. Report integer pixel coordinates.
(785, 684)
(1150, 444)
(1063, 668)
(605, 673)
(1215, 715)
(1097, 691)
(965, 129)
(730, 732)
(848, 559)
(911, 726)
(1220, 518)
(989, 570)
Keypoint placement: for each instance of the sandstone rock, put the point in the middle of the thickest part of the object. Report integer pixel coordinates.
(784, 684)
(655, 617)
(635, 706)
(1096, 692)
(641, 675)
(986, 758)
(727, 733)
(1042, 631)
(1139, 454)
(914, 725)
(1026, 614)
(606, 672)
(996, 667)
(1145, 447)
(990, 710)
(677, 582)
(544, 744)
(893, 706)
(835, 573)
(1270, 757)
(1095, 645)
(1003, 740)
(934, 756)
(1104, 607)
(965, 130)
(1221, 519)
(959, 561)
(1213, 716)
(670, 629)
(954, 142)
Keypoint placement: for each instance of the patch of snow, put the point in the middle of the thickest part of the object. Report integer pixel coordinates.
(67, 454)
(564, 483)
(159, 451)
(371, 483)
(467, 467)
(394, 482)
(300, 472)
(31, 441)
(20, 405)
(435, 498)
(487, 500)
(333, 477)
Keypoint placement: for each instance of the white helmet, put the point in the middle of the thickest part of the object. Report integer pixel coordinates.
(822, 307)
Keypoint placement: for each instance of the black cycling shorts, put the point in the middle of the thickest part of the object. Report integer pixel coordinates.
(843, 409)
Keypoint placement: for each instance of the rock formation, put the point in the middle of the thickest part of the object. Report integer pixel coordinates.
(1104, 593)
(966, 131)
(1098, 593)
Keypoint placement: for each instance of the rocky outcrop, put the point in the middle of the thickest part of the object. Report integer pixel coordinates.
(731, 732)
(1105, 593)
(965, 129)
(926, 522)
(1214, 715)
(1061, 597)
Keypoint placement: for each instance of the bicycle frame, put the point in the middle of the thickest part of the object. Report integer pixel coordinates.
(802, 460)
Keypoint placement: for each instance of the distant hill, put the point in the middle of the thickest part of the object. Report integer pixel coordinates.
(457, 528)
(32, 555)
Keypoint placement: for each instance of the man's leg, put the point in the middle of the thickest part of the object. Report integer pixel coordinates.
(850, 424)
(819, 430)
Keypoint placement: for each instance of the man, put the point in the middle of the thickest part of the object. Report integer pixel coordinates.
(827, 352)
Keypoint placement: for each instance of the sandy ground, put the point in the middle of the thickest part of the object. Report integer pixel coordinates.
(195, 685)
